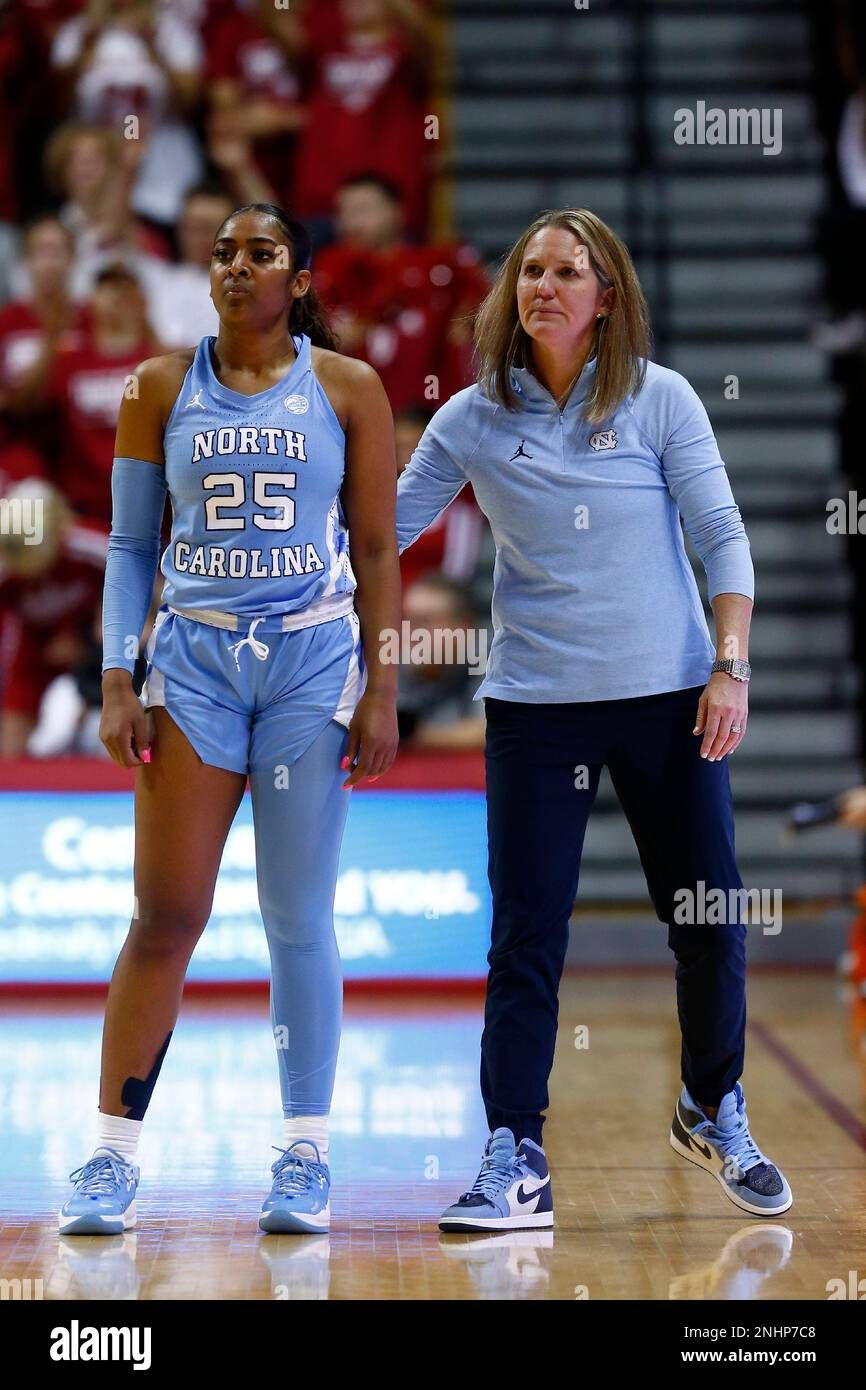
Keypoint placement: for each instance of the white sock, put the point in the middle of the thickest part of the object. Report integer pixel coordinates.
(313, 1127)
(116, 1132)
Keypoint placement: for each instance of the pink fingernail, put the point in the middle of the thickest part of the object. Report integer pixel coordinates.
(145, 755)
(344, 763)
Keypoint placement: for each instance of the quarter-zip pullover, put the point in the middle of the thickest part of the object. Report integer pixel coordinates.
(594, 597)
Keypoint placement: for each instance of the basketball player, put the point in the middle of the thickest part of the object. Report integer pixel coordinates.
(584, 456)
(271, 447)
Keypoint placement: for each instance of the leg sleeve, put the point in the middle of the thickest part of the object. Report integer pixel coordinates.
(300, 814)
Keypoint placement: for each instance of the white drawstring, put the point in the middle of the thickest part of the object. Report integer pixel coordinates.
(260, 649)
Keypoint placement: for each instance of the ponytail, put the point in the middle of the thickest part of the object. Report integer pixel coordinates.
(308, 316)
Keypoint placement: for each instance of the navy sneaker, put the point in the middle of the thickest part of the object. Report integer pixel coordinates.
(727, 1150)
(511, 1192)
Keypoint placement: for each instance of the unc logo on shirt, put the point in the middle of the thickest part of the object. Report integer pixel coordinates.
(603, 439)
(297, 405)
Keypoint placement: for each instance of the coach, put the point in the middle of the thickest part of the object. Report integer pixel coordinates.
(585, 456)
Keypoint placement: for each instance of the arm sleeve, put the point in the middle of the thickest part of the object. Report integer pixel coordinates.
(698, 482)
(138, 493)
(433, 476)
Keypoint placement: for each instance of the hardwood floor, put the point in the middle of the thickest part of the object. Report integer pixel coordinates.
(633, 1220)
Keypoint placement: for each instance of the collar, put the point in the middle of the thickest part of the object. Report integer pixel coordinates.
(529, 388)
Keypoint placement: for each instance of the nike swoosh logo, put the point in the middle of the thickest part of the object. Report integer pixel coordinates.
(523, 1196)
(690, 1138)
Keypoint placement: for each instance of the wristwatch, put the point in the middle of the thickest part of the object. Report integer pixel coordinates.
(739, 670)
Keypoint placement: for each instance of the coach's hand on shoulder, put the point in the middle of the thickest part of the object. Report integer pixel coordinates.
(124, 727)
(373, 737)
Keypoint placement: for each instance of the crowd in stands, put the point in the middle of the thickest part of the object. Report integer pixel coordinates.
(132, 128)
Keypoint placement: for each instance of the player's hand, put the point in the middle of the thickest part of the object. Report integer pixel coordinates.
(124, 727)
(373, 738)
(723, 703)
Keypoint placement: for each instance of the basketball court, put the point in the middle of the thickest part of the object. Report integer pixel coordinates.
(633, 1220)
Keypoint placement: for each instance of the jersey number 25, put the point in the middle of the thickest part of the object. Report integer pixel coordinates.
(236, 496)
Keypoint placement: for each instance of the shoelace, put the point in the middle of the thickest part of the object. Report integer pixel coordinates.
(736, 1143)
(259, 649)
(493, 1178)
(100, 1176)
(293, 1173)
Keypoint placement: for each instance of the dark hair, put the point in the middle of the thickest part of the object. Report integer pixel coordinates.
(385, 186)
(307, 314)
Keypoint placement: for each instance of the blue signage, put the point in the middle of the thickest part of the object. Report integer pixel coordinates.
(412, 896)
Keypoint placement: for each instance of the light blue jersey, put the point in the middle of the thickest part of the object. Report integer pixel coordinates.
(258, 545)
(594, 597)
(254, 481)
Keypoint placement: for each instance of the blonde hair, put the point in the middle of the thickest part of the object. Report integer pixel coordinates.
(621, 339)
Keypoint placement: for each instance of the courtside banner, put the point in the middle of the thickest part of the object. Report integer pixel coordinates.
(412, 898)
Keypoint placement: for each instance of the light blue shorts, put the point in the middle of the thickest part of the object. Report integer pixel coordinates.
(249, 700)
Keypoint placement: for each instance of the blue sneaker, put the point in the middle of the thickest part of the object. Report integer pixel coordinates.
(727, 1150)
(299, 1197)
(512, 1190)
(103, 1202)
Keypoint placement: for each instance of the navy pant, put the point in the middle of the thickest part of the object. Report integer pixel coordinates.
(680, 811)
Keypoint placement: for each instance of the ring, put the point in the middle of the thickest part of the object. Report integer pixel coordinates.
(736, 728)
